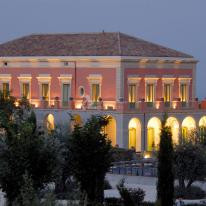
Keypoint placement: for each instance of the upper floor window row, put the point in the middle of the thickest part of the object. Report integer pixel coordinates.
(151, 90)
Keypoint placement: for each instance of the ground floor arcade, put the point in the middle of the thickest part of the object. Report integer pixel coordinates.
(140, 131)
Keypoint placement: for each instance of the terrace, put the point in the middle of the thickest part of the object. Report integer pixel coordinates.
(83, 104)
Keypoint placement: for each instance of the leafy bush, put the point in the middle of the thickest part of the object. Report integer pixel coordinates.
(107, 185)
(189, 193)
(130, 196)
(189, 163)
(112, 201)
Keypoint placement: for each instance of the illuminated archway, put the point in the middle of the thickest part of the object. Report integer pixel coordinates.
(49, 122)
(202, 122)
(110, 130)
(153, 133)
(188, 125)
(135, 134)
(202, 128)
(75, 120)
(174, 124)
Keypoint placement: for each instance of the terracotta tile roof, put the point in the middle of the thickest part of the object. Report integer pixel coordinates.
(85, 44)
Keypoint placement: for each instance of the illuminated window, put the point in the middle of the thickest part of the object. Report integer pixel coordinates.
(25, 90)
(132, 93)
(183, 92)
(65, 94)
(95, 92)
(5, 89)
(150, 93)
(167, 92)
(45, 91)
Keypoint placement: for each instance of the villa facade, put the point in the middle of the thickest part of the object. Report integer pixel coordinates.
(129, 79)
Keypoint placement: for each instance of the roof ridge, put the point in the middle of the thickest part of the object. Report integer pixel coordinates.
(69, 33)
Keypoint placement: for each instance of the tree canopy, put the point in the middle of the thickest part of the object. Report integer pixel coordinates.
(22, 149)
(90, 157)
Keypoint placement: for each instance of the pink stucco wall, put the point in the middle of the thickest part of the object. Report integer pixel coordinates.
(108, 80)
(176, 73)
(108, 84)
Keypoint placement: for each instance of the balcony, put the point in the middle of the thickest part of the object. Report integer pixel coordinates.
(72, 104)
(160, 105)
(122, 106)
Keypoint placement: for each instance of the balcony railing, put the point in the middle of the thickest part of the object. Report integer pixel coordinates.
(118, 105)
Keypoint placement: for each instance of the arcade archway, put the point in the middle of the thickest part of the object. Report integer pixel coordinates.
(134, 128)
(153, 133)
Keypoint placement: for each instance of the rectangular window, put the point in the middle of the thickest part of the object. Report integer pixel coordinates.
(150, 93)
(65, 94)
(95, 92)
(167, 93)
(132, 93)
(183, 92)
(45, 92)
(25, 90)
(5, 89)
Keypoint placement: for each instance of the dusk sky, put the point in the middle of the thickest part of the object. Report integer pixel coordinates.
(178, 24)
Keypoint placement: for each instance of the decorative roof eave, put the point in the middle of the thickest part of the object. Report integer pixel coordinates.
(60, 58)
(161, 60)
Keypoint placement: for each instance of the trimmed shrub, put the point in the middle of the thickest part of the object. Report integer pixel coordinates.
(191, 193)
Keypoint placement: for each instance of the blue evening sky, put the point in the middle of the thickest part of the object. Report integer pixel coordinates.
(178, 24)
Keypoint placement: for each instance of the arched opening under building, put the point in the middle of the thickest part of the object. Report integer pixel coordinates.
(173, 123)
(202, 129)
(49, 122)
(153, 133)
(110, 130)
(188, 126)
(134, 128)
(75, 120)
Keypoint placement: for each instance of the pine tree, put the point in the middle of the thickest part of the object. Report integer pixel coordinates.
(165, 185)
